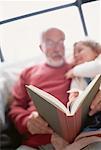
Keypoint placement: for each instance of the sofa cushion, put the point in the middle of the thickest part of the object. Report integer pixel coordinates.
(9, 73)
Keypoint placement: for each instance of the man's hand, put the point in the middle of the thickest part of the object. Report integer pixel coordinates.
(58, 142)
(36, 125)
(96, 104)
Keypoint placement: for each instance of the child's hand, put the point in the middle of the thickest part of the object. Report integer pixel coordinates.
(70, 74)
(73, 94)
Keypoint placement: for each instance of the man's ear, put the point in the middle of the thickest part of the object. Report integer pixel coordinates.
(41, 47)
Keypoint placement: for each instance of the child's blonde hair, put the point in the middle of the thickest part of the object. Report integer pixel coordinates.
(95, 46)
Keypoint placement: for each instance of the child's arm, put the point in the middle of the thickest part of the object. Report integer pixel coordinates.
(70, 73)
(87, 69)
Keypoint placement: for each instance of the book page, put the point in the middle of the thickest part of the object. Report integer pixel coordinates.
(87, 95)
(48, 97)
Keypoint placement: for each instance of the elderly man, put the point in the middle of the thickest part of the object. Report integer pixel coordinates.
(49, 76)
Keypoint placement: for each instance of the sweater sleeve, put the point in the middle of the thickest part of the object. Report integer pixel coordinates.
(88, 69)
(21, 105)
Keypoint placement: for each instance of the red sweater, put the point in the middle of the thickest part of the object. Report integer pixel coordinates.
(51, 80)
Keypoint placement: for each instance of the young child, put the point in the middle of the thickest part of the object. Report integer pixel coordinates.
(87, 64)
(87, 58)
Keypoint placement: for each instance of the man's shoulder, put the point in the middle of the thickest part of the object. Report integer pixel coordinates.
(31, 69)
(69, 65)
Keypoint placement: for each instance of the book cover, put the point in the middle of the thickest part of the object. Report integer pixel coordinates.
(66, 122)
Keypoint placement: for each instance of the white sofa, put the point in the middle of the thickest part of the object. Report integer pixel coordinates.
(9, 73)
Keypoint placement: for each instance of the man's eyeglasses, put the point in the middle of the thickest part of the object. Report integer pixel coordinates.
(52, 44)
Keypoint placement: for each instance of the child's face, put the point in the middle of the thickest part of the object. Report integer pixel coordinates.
(83, 53)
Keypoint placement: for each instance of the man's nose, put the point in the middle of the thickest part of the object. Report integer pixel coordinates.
(57, 47)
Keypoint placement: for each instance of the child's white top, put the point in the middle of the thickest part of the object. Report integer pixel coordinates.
(88, 69)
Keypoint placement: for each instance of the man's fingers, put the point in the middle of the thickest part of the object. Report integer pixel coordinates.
(42, 122)
(96, 109)
(37, 125)
(92, 112)
(35, 128)
(96, 104)
(42, 126)
(96, 100)
(37, 120)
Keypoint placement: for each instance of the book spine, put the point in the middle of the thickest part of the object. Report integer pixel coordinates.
(71, 128)
(74, 125)
(63, 125)
(78, 119)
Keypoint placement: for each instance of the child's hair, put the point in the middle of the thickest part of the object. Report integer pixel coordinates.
(92, 44)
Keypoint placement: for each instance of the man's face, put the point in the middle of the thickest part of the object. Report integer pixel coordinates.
(53, 47)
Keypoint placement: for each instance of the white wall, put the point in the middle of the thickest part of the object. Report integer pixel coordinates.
(20, 39)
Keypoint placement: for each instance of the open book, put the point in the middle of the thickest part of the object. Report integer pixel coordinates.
(66, 122)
